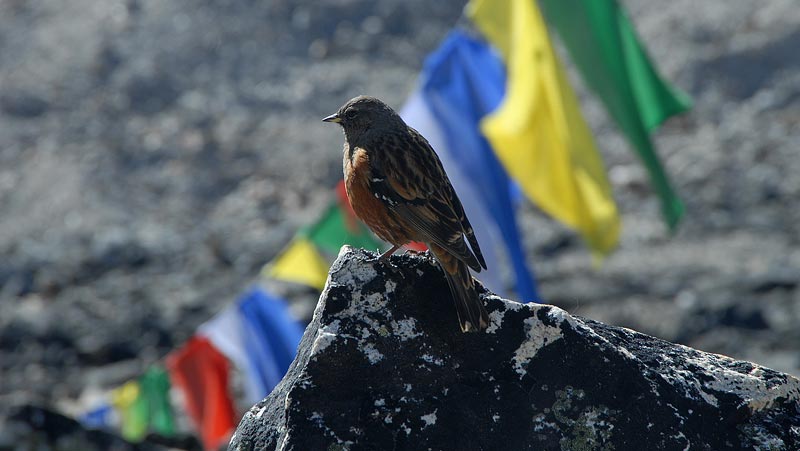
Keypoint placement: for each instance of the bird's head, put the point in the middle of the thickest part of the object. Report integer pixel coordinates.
(361, 114)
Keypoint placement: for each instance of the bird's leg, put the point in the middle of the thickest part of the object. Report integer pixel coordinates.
(385, 256)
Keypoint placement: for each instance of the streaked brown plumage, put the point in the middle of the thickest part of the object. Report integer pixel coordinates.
(397, 186)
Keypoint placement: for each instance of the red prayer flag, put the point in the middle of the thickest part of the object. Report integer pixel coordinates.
(344, 203)
(201, 372)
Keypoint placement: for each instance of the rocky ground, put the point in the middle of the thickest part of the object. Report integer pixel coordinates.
(154, 154)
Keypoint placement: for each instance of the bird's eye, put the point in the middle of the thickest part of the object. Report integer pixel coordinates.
(350, 114)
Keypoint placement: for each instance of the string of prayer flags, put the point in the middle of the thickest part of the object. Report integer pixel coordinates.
(503, 124)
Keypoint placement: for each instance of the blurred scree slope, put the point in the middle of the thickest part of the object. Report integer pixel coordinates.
(154, 154)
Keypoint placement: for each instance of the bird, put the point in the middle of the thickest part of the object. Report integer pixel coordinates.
(397, 186)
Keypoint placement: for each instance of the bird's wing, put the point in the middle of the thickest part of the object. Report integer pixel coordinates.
(408, 176)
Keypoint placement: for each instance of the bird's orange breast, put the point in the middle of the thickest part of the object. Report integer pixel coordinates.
(366, 205)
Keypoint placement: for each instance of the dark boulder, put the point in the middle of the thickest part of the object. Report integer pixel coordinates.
(28, 427)
(384, 366)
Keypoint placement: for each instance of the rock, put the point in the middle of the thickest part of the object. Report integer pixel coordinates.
(22, 104)
(150, 95)
(383, 365)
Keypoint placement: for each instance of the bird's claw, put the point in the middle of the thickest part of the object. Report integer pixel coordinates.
(396, 270)
(384, 259)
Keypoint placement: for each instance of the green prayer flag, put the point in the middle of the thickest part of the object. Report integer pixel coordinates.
(132, 407)
(154, 385)
(612, 61)
(334, 230)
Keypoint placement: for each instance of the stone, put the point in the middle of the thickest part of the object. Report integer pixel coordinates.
(23, 104)
(151, 94)
(383, 365)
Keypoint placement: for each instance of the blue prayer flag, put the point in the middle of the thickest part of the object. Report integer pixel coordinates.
(416, 114)
(271, 336)
(463, 81)
(98, 418)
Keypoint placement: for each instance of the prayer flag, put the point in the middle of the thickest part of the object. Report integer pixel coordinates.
(271, 336)
(335, 229)
(133, 411)
(417, 114)
(98, 417)
(461, 82)
(299, 263)
(154, 386)
(201, 372)
(538, 131)
(614, 64)
(224, 331)
(260, 336)
(344, 202)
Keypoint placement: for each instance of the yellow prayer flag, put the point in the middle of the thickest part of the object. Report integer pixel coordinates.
(299, 263)
(538, 132)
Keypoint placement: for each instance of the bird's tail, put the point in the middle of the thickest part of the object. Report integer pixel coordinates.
(472, 315)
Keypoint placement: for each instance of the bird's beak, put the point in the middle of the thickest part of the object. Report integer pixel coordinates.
(333, 118)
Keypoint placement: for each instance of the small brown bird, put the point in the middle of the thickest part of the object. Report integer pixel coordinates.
(397, 186)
